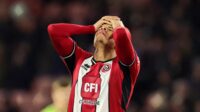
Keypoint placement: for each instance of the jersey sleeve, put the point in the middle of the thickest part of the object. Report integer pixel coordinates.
(129, 62)
(126, 53)
(60, 35)
(123, 45)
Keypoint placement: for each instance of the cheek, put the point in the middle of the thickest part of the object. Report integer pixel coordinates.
(112, 42)
(110, 35)
(95, 39)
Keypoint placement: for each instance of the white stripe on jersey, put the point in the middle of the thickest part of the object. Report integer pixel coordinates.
(82, 72)
(103, 105)
(104, 97)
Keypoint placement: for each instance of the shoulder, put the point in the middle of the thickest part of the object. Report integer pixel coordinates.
(132, 67)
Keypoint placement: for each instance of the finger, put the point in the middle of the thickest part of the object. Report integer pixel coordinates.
(110, 28)
(100, 22)
(107, 22)
(116, 21)
(111, 17)
(107, 25)
(115, 17)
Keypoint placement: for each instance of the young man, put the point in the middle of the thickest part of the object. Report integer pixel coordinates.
(102, 81)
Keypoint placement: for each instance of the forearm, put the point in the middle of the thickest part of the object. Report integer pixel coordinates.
(60, 36)
(65, 29)
(123, 45)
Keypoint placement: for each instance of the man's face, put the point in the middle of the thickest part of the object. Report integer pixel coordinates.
(104, 35)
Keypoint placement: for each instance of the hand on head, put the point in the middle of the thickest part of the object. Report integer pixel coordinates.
(111, 21)
(104, 30)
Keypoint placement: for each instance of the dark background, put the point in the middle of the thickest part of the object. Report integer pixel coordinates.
(165, 34)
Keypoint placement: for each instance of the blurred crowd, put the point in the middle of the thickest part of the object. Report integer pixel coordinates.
(165, 34)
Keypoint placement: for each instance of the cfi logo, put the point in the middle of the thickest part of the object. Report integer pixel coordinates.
(106, 67)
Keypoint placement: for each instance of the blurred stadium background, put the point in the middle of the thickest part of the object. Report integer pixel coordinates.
(165, 34)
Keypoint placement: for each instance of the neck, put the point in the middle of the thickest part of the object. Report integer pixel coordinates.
(104, 54)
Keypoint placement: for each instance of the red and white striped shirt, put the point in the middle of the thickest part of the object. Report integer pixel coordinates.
(97, 86)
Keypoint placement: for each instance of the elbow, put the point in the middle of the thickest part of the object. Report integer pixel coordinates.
(50, 28)
(121, 30)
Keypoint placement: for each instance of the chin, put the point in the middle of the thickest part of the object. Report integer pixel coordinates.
(100, 38)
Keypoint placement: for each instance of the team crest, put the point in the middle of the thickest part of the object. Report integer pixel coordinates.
(106, 67)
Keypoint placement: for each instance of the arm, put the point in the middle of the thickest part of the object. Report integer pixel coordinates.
(129, 61)
(122, 37)
(124, 48)
(60, 36)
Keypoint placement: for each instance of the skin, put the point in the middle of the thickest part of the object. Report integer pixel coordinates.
(60, 98)
(103, 42)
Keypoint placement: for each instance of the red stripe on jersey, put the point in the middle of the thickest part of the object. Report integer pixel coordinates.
(115, 88)
(88, 108)
(80, 57)
(90, 90)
